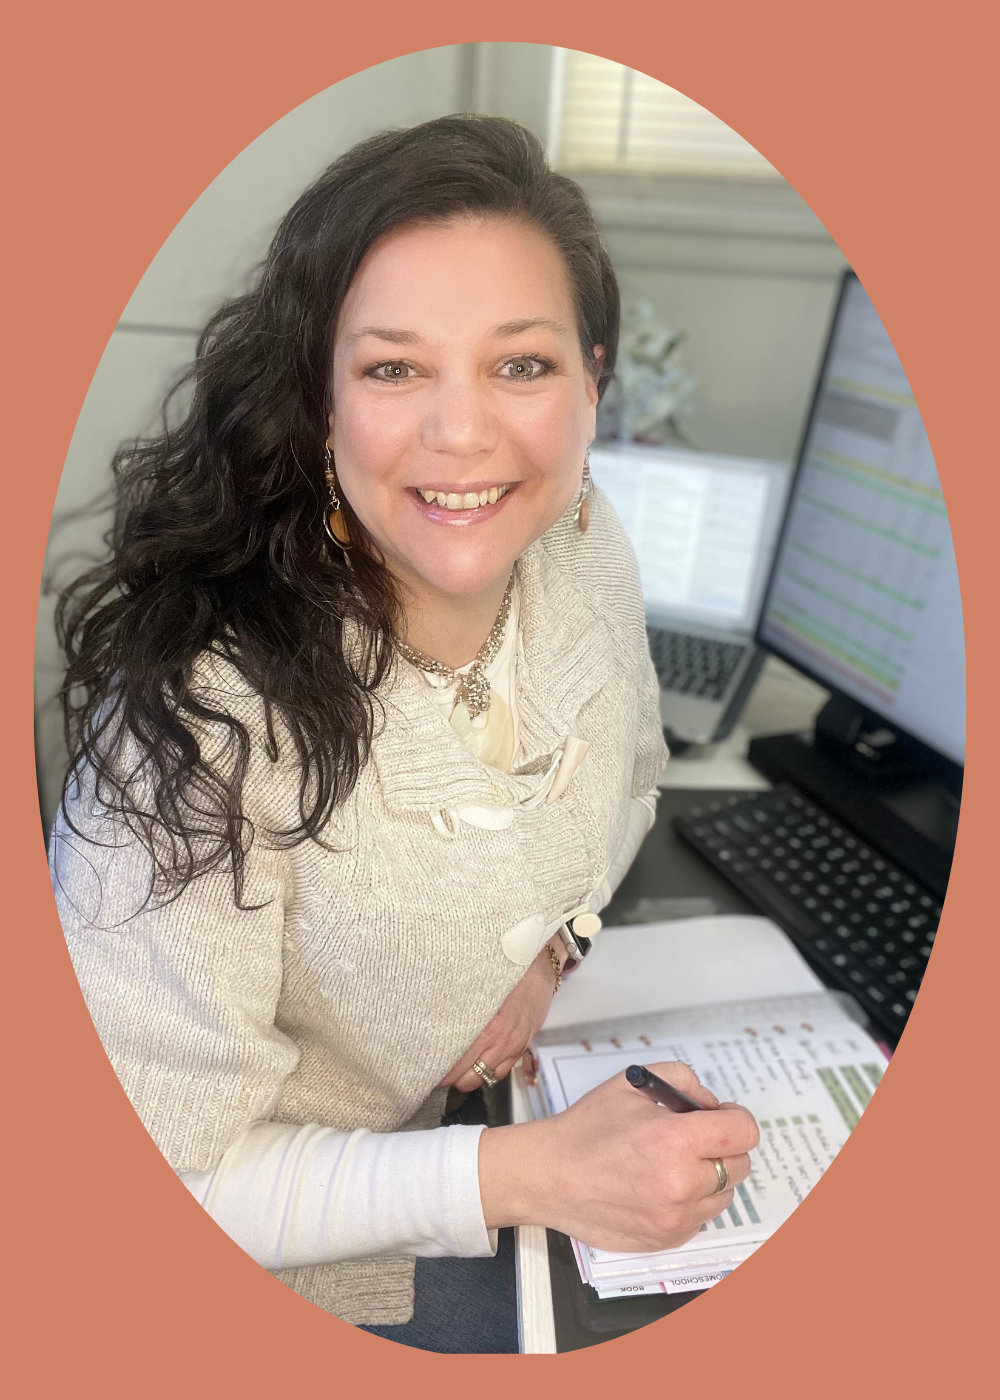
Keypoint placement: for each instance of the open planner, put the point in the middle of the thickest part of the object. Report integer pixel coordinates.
(792, 1053)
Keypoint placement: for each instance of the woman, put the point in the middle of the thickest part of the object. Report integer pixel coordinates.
(364, 716)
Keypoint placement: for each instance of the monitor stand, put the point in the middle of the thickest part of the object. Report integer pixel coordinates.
(898, 795)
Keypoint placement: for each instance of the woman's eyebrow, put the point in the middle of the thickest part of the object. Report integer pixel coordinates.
(395, 337)
(502, 332)
(509, 328)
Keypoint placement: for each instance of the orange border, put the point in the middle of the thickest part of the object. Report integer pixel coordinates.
(120, 115)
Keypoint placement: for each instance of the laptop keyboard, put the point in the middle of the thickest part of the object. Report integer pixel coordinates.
(691, 665)
(868, 925)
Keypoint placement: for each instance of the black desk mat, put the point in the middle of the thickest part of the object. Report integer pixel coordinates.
(667, 867)
(584, 1320)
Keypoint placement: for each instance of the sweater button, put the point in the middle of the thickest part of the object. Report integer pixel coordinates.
(586, 925)
(523, 942)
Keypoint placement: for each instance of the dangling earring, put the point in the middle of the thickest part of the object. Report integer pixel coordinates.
(583, 509)
(333, 517)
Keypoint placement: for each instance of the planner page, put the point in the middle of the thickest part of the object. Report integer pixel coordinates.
(802, 1067)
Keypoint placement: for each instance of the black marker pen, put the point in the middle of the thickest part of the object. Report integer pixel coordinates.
(659, 1090)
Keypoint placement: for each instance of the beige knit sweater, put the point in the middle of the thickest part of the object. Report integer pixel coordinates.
(371, 966)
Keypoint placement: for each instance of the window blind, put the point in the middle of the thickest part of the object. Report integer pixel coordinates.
(613, 118)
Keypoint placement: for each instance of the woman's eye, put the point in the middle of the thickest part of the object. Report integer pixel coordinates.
(526, 367)
(392, 371)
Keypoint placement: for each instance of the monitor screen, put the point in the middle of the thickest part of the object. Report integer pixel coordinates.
(864, 594)
(703, 527)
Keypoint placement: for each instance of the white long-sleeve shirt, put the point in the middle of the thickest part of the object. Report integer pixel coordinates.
(293, 1196)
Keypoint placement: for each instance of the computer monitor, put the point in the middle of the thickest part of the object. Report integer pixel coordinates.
(864, 593)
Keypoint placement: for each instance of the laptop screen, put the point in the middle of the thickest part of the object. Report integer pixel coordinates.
(704, 529)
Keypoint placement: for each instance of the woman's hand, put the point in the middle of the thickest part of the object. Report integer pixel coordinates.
(507, 1036)
(616, 1170)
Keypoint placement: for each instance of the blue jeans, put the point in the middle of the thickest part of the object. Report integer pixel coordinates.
(462, 1305)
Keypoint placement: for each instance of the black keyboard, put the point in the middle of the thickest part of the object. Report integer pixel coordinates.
(866, 924)
(693, 665)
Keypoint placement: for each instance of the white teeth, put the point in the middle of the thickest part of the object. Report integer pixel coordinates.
(468, 500)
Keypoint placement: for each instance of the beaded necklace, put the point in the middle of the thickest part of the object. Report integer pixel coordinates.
(473, 687)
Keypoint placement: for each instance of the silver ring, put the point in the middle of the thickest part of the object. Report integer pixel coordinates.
(722, 1171)
(490, 1079)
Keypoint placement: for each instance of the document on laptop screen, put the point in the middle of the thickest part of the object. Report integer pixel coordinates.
(703, 528)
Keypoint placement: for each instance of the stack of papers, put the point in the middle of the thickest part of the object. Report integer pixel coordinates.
(801, 1064)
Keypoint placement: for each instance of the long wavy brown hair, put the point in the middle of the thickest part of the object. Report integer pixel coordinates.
(218, 544)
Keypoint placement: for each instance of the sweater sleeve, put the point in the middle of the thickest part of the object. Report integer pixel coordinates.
(293, 1196)
(641, 816)
(183, 996)
(183, 993)
(650, 759)
(651, 751)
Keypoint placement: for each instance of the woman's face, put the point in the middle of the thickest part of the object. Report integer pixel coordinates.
(458, 377)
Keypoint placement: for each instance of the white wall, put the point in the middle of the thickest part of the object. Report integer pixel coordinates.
(746, 271)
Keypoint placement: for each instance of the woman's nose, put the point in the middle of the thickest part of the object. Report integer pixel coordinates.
(458, 419)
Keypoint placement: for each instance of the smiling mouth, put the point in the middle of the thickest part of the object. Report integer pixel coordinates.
(463, 500)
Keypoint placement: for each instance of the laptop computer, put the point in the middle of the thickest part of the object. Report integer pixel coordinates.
(704, 529)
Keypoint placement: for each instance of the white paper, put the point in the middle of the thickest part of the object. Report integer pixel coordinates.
(688, 962)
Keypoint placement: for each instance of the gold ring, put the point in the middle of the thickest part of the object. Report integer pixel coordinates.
(490, 1079)
(722, 1171)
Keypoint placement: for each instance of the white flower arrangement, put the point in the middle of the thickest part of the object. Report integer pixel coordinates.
(651, 394)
